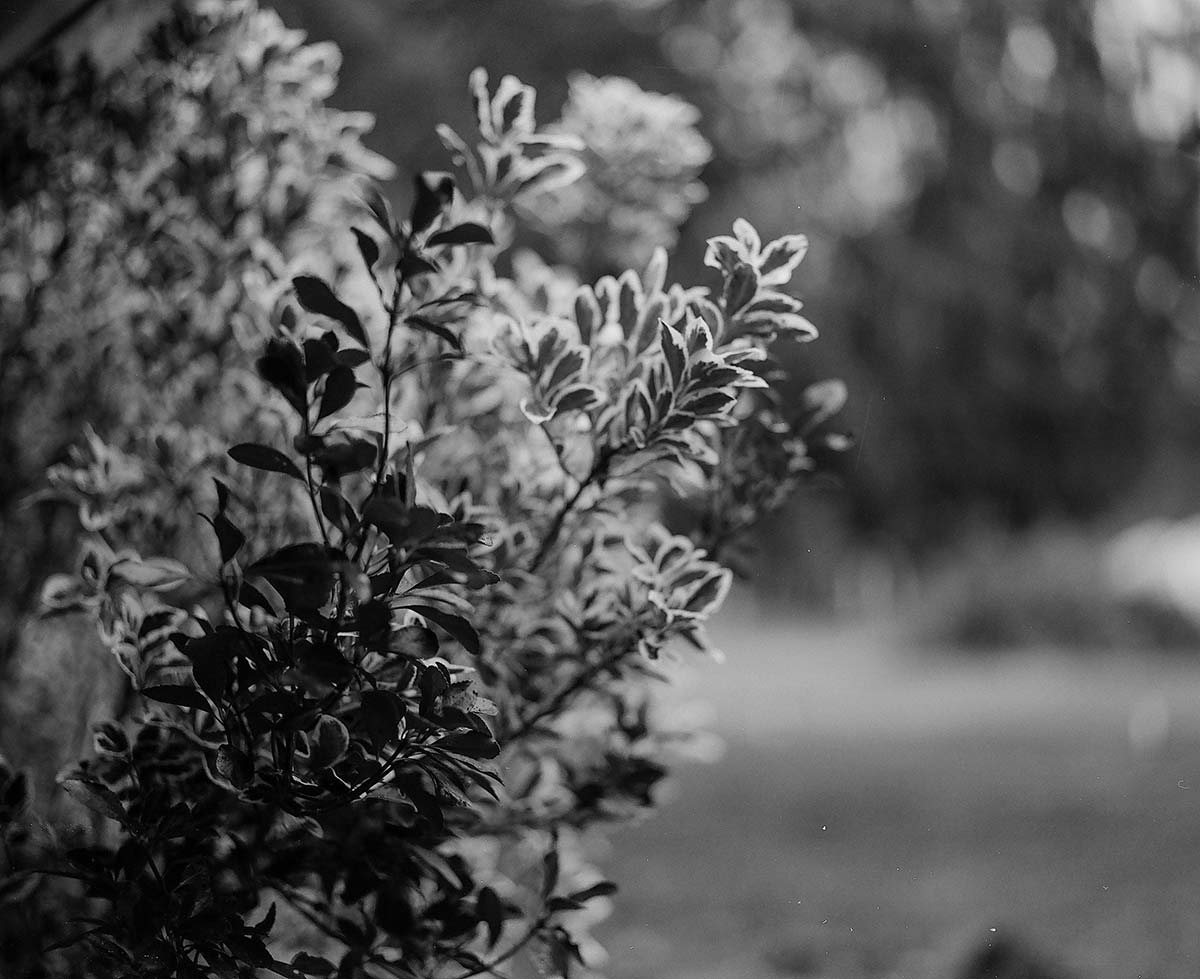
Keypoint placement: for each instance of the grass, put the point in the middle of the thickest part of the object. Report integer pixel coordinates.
(878, 812)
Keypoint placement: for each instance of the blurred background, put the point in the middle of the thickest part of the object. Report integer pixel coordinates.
(961, 705)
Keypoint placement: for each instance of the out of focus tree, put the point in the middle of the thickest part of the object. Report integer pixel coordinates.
(1008, 245)
(1004, 227)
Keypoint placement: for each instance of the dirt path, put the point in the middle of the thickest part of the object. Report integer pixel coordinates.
(878, 811)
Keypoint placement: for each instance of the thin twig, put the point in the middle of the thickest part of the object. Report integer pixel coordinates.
(576, 684)
(490, 967)
(597, 474)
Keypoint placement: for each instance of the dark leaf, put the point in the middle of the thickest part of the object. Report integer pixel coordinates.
(229, 537)
(579, 397)
(472, 744)
(603, 889)
(373, 621)
(312, 965)
(563, 951)
(381, 712)
(366, 248)
(15, 793)
(490, 909)
(273, 702)
(740, 287)
(263, 928)
(319, 359)
(260, 593)
(433, 683)
(266, 458)
(316, 296)
(282, 366)
(432, 193)
(341, 458)
(303, 574)
(455, 625)
(340, 386)
(404, 525)
(352, 357)
(412, 265)
(98, 798)
(462, 234)
(211, 656)
(324, 662)
(437, 329)
(550, 871)
(381, 210)
(334, 505)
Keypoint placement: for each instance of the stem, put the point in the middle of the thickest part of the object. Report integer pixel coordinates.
(386, 373)
(555, 703)
(598, 472)
(312, 496)
(298, 903)
(499, 960)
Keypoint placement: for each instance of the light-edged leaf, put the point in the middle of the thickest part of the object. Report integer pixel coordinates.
(536, 410)
(98, 798)
(154, 573)
(780, 258)
(327, 744)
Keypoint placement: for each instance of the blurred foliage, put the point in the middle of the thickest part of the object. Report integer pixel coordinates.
(1053, 588)
(1004, 224)
(147, 214)
(643, 155)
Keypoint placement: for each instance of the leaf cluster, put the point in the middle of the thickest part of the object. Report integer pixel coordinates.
(410, 673)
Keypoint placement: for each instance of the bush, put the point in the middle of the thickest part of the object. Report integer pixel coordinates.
(1051, 588)
(404, 671)
(148, 214)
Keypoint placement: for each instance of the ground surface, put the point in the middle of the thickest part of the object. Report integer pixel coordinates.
(879, 810)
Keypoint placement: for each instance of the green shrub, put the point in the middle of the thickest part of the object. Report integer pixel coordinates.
(404, 671)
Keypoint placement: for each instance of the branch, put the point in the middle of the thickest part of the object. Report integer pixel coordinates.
(489, 967)
(555, 703)
(598, 473)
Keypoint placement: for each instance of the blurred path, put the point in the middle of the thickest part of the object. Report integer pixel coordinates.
(786, 677)
(878, 811)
